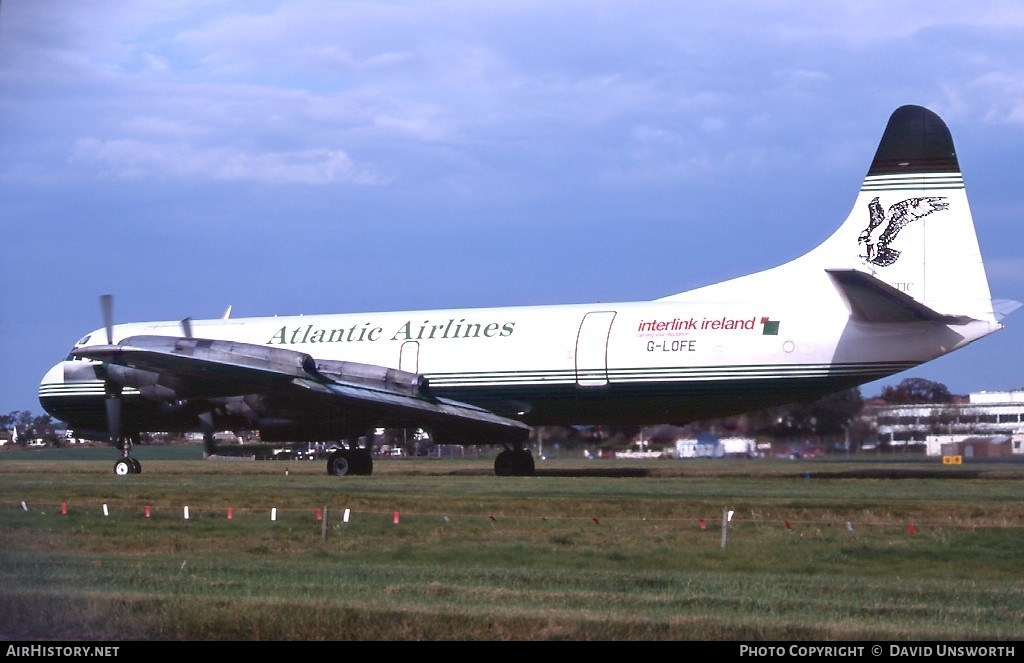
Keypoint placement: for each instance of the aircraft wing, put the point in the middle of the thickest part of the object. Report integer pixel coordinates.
(295, 384)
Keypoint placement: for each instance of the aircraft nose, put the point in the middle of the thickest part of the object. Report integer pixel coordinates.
(51, 385)
(53, 376)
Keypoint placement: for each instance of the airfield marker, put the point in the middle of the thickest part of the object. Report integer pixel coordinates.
(319, 514)
(186, 512)
(230, 512)
(703, 525)
(24, 507)
(849, 527)
(344, 518)
(910, 528)
(105, 512)
(273, 514)
(63, 508)
(147, 511)
(788, 526)
(396, 517)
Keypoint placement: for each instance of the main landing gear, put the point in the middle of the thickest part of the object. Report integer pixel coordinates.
(350, 461)
(514, 463)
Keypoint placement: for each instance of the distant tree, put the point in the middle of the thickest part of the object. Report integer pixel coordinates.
(42, 420)
(22, 419)
(832, 413)
(827, 416)
(608, 437)
(916, 391)
(565, 437)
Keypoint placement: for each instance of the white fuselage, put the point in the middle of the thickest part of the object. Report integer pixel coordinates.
(637, 362)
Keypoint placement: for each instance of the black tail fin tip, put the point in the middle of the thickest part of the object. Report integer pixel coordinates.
(916, 140)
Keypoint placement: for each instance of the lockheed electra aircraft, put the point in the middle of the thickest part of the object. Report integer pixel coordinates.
(901, 282)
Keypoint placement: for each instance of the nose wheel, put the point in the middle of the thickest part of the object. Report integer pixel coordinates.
(122, 467)
(127, 464)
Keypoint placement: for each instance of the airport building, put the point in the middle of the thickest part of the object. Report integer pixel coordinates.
(987, 424)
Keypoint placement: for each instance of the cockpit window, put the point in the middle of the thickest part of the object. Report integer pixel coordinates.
(85, 339)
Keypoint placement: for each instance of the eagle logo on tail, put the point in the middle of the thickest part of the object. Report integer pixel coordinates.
(884, 225)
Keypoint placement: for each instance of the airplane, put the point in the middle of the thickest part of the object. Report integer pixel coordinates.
(899, 283)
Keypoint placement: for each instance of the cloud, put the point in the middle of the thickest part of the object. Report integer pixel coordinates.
(135, 159)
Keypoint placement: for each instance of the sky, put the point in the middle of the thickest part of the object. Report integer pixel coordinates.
(324, 157)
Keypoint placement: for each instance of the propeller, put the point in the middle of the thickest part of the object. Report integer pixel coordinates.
(206, 424)
(113, 404)
(206, 418)
(107, 305)
(112, 389)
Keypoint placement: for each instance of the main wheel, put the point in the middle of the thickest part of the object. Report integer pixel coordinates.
(338, 464)
(362, 462)
(527, 467)
(505, 464)
(123, 467)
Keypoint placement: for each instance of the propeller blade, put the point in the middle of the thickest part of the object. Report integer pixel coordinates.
(113, 390)
(113, 404)
(107, 304)
(206, 424)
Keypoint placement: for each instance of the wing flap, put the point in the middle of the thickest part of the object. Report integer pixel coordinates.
(449, 421)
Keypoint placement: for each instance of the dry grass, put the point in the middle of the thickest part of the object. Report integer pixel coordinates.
(593, 550)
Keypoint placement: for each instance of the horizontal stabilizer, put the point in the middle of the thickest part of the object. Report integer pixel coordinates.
(1004, 307)
(873, 300)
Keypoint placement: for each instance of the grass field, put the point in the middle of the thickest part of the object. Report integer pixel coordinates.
(431, 549)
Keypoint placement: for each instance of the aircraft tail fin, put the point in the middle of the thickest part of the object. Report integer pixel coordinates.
(908, 250)
(914, 226)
